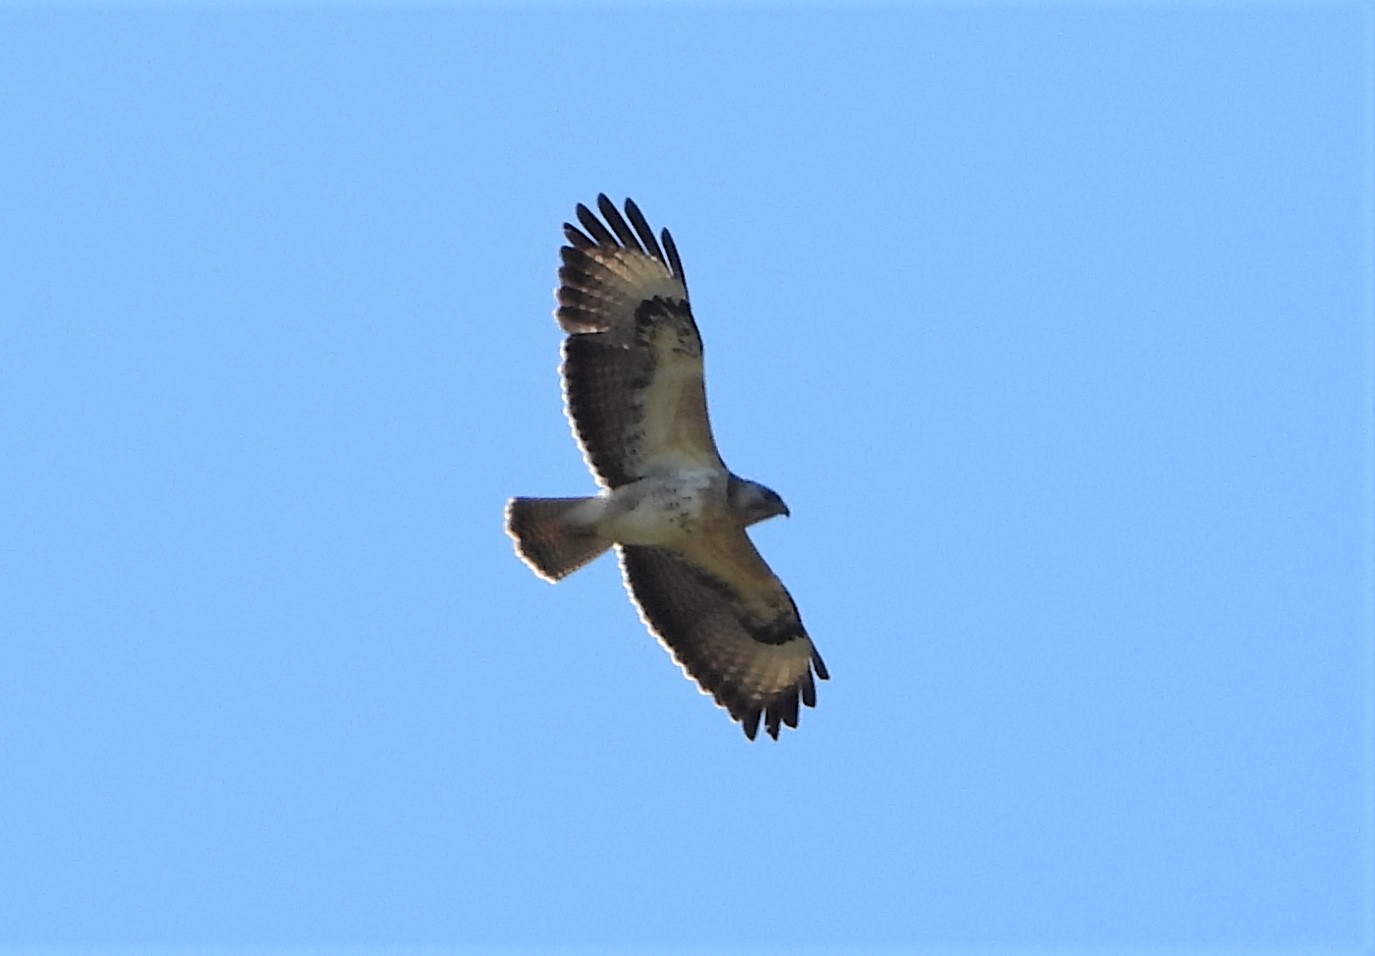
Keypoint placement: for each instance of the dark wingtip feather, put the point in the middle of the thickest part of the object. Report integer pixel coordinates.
(749, 722)
(593, 225)
(576, 238)
(790, 709)
(616, 221)
(674, 262)
(646, 234)
(782, 710)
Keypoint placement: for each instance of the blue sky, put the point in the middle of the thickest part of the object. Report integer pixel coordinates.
(1053, 325)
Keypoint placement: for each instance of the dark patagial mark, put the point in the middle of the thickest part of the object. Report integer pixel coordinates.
(778, 631)
(651, 315)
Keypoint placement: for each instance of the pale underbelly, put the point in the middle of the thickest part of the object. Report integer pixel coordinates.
(660, 512)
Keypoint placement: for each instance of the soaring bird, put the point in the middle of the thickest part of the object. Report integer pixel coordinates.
(634, 392)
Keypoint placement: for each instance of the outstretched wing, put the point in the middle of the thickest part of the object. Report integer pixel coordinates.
(729, 622)
(632, 362)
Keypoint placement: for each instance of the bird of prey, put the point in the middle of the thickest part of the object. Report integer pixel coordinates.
(634, 393)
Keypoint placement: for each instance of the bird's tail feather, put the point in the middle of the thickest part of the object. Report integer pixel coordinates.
(549, 538)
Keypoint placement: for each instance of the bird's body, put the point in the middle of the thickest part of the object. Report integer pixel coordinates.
(635, 393)
(664, 510)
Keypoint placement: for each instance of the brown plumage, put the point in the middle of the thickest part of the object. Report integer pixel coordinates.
(634, 393)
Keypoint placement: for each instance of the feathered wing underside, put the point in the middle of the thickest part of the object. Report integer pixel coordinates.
(730, 624)
(632, 362)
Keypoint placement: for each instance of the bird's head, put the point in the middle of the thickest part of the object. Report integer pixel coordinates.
(751, 501)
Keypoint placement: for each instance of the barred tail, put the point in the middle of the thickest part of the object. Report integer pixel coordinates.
(548, 539)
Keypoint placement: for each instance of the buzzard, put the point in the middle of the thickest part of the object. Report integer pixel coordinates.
(633, 390)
